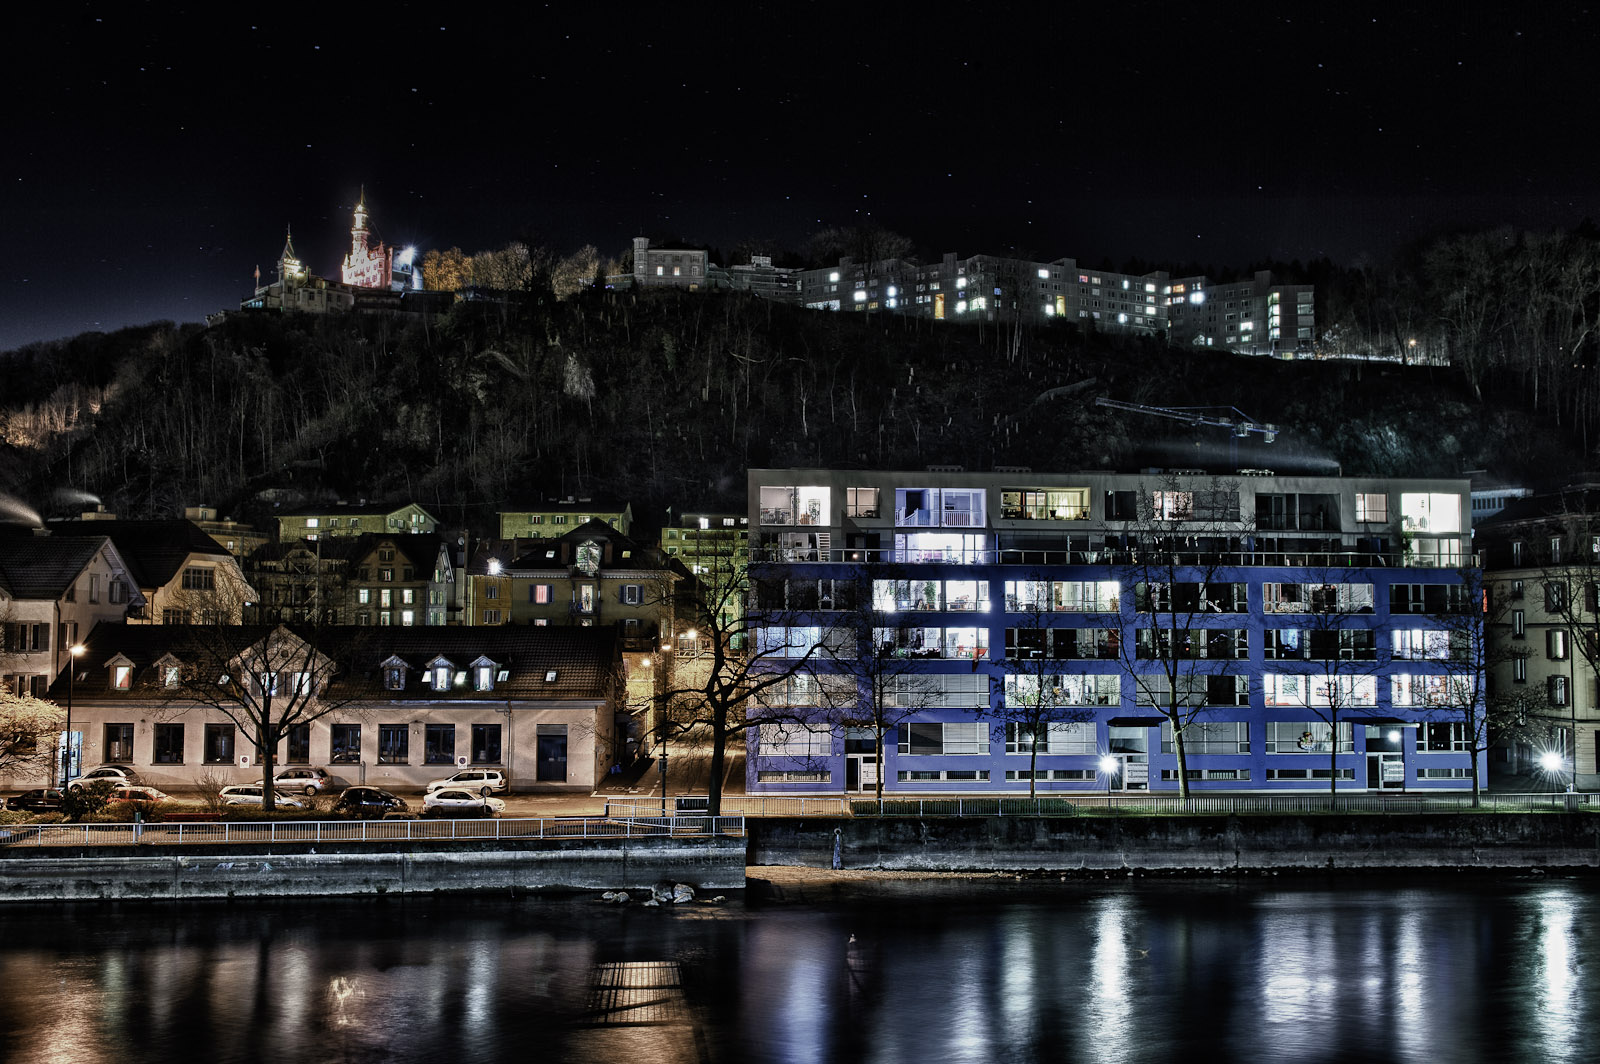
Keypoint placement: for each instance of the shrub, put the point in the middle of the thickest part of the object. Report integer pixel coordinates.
(85, 801)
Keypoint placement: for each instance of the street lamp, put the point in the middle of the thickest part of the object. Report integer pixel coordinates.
(1554, 763)
(73, 653)
(1108, 767)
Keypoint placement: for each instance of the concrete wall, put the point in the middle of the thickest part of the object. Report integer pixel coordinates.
(130, 873)
(1554, 840)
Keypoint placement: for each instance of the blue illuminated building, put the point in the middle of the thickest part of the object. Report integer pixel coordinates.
(1022, 629)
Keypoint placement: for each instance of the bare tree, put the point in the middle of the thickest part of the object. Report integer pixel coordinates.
(1038, 701)
(741, 671)
(1470, 650)
(1179, 536)
(884, 661)
(266, 680)
(1327, 623)
(28, 730)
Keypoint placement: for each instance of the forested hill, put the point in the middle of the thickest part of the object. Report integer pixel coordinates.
(666, 398)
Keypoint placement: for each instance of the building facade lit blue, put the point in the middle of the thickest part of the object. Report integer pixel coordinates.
(1006, 631)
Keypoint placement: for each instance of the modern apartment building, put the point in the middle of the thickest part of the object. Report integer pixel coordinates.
(1257, 316)
(1011, 629)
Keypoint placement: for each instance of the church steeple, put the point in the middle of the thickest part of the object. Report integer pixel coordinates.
(290, 269)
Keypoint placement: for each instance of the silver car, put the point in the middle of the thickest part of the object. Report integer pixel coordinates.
(485, 781)
(307, 781)
(250, 794)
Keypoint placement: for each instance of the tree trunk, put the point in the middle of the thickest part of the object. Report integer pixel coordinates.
(719, 740)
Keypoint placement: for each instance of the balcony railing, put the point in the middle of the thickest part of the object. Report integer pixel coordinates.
(1150, 559)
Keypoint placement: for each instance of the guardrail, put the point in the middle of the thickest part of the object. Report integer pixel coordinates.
(1118, 804)
(273, 831)
(1100, 805)
(732, 805)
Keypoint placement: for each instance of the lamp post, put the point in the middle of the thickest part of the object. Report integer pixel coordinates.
(73, 653)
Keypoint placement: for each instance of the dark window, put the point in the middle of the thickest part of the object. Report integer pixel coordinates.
(199, 579)
(486, 744)
(552, 755)
(299, 744)
(346, 745)
(119, 742)
(168, 748)
(439, 744)
(394, 744)
(219, 744)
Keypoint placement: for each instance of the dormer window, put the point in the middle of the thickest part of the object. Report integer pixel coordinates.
(171, 676)
(589, 556)
(394, 674)
(550, 676)
(122, 677)
(483, 674)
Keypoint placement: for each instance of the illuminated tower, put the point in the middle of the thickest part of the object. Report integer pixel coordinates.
(291, 271)
(366, 266)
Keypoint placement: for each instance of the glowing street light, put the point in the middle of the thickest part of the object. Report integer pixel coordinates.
(73, 652)
(1552, 762)
(1109, 767)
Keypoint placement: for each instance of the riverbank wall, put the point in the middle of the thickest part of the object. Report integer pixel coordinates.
(109, 873)
(1178, 844)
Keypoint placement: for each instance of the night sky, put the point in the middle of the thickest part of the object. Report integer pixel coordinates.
(154, 155)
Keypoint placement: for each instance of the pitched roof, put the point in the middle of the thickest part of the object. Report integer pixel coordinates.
(43, 567)
(584, 660)
(154, 550)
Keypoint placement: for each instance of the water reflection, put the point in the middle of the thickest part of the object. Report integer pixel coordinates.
(1155, 972)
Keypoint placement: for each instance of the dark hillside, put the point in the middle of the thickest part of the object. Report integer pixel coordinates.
(666, 398)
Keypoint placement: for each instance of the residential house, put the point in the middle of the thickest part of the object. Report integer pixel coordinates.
(548, 519)
(393, 707)
(402, 579)
(237, 537)
(53, 590)
(1541, 559)
(715, 548)
(346, 519)
(184, 576)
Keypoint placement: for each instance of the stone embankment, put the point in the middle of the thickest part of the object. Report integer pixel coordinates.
(302, 870)
(1177, 844)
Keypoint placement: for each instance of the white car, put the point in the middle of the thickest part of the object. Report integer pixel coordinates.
(115, 775)
(485, 781)
(458, 801)
(307, 781)
(250, 794)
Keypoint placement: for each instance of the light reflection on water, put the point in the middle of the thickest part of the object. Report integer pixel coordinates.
(1161, 971)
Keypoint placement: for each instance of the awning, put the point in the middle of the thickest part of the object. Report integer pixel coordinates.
(1136, 722)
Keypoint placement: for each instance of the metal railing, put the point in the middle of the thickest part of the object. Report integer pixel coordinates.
(310, 831)
(1153, 559)
(735, 806)
(1123, 804)
(1221, 805)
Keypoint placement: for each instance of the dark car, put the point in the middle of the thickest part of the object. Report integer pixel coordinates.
(369, 802)
(41, 800)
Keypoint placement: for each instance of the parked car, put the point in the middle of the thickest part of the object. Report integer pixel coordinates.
(369, 802)
(250, 794)
(139, 794)
(116, 775)
(458, 801)
(307, 781)
(485, 781)
(39, 800)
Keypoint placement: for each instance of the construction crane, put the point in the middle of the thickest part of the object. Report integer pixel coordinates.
(1241, 425)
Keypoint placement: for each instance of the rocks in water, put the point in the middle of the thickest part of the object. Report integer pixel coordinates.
(615, 897)
(682, 892)
(663, 893)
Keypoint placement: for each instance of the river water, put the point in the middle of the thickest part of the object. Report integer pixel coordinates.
(1449, 969)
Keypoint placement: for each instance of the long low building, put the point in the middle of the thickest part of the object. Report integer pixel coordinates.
(1015, 632)
(389, 707)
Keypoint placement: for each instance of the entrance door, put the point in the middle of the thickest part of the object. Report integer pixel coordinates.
(552, 767)
(1386, 772)
(861, 772)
